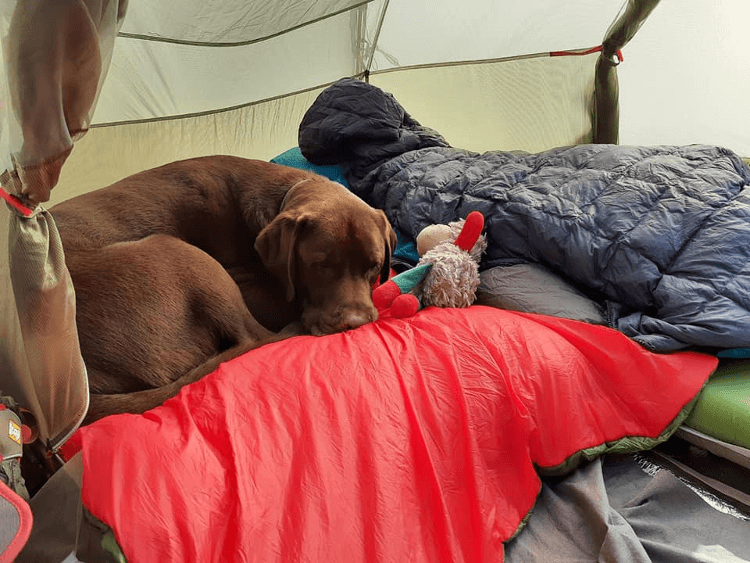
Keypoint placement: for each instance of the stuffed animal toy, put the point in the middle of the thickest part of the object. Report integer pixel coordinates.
(447, 274)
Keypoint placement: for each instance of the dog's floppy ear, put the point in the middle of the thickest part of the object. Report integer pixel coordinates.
(276, 247)
(389, 236)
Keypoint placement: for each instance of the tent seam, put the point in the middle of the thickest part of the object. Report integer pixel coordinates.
(191, 115)
(171, 40)
(546, 54)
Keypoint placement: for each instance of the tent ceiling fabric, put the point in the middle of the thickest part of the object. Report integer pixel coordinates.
(294, 47)
(418, 32)
(211, 56)
(216, 22)
(153, 80)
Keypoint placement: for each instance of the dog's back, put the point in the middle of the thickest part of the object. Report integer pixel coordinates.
(216, 203)
(193, 200)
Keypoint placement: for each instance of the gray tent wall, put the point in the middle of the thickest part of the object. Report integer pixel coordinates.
(175, 91)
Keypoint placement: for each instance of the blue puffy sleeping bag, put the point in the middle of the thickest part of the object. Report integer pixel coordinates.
(659, 235)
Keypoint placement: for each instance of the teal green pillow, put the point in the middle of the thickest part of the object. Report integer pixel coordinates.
(735, 353)
(294, 158)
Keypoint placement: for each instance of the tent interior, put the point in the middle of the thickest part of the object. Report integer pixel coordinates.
(148, 83)
(244, 91)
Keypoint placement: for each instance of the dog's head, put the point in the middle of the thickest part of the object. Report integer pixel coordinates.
(328, 248)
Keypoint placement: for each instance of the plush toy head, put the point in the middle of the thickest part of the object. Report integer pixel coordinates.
(447, 274)
(454, 277)
(433, 235)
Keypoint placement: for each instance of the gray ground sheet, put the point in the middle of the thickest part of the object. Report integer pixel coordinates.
(613, 510)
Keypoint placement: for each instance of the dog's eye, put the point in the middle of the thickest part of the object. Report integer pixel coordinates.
(323, 267)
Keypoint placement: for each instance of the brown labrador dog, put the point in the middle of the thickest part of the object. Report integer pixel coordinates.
(183, 266)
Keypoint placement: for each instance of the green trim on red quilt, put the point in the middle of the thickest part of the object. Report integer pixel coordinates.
(627, 444)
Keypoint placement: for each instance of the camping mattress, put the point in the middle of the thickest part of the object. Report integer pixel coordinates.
(722, 410)
(416, 439)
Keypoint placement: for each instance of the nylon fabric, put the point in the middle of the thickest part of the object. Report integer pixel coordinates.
(217, 56)
(163, 84)
(671, 80)
(538, 103)
(722, 410)
(406, 439)
(15, 523)
(50, 79)
(42, 367)
(206, 21)
(261, 130)
(418, 32)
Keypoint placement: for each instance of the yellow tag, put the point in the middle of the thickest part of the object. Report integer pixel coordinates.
(14, 432)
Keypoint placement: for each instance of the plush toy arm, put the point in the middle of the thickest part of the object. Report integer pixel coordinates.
(471, 231)
(396, 292)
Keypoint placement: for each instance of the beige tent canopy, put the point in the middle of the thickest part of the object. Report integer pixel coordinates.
(151, 82)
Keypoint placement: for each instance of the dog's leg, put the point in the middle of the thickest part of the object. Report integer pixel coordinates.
(153, 310)
(295, 328)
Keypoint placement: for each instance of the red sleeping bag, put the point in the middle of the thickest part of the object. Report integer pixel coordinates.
(404, 440)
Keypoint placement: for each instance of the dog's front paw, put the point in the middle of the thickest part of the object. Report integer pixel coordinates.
(292, 329)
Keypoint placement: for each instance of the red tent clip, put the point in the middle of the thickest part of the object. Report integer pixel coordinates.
(14, 202)
(580, 53)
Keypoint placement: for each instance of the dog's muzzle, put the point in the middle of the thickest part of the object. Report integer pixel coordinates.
(344, 318)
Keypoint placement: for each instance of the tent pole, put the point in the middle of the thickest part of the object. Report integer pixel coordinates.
(606, 90)
(371, 54)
